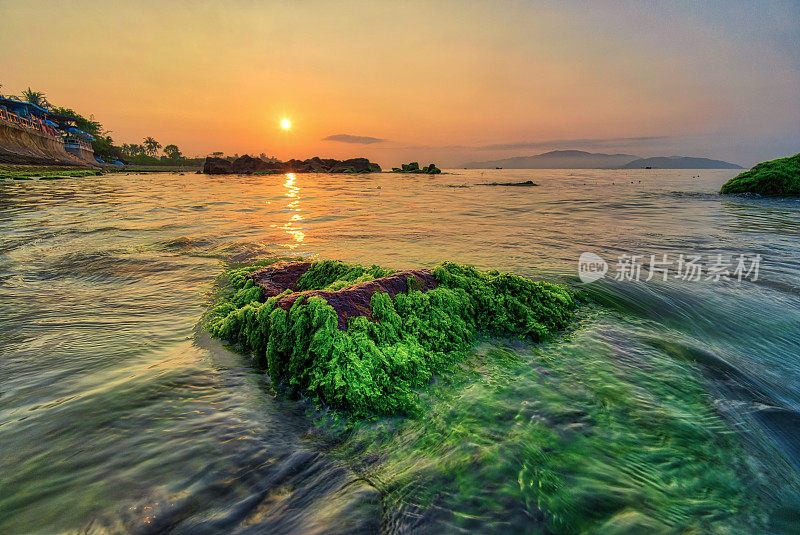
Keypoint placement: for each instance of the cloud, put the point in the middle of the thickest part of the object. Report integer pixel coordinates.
(347, 138)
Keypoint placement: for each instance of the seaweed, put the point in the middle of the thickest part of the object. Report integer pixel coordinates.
(566, 438)
(378, 364)
(44, 173)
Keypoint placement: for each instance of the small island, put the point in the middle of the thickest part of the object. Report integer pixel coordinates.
(774, 177)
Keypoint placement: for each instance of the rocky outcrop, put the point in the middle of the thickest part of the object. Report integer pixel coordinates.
(369, 341)
(249, 165)
(217, 166)
(349, 302)
(775, 177)
(277, 278)
(413, 167)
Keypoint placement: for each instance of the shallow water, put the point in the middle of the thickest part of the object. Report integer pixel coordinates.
(118, 414)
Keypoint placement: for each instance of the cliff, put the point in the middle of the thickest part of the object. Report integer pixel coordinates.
(20, 145)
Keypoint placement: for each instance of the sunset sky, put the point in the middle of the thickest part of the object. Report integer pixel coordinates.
(432, 81)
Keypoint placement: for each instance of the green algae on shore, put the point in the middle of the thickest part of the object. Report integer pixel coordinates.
(44, 173)
(774, 177)
(379, 361)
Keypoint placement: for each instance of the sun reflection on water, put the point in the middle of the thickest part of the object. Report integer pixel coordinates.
(293, 192)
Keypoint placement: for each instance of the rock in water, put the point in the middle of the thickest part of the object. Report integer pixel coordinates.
(247, 165)
(217, 166)
(413, 167)
(366, 339)
(775, 177)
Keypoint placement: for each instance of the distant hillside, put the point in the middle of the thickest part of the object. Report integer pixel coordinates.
(679, 162)
(558, 159)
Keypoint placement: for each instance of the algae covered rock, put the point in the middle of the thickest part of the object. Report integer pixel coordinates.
(365, 339)
(413, 167)
(775, 177)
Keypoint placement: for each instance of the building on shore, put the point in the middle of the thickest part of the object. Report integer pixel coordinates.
(30, 134)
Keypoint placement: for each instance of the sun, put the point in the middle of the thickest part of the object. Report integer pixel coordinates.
(286, 124)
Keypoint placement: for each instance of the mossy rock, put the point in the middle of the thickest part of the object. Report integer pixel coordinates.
(775, 177)
(367, 340)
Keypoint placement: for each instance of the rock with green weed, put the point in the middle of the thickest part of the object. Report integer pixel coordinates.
(365, 339)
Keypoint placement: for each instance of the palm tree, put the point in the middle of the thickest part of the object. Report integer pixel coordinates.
(151, 146)
(35, 97)
(172, 151)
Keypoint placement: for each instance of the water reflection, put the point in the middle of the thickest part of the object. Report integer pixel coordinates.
(293, 193)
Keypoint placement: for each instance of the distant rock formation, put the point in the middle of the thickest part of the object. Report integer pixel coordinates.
(413, 167)
(578, 159)
(679, 162)
(558, 159)
(775, 177)
(248, 165)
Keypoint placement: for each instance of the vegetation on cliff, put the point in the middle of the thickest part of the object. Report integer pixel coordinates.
(774, 177)
(379, 361)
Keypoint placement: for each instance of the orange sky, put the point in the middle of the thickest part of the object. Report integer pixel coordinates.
(439, 81)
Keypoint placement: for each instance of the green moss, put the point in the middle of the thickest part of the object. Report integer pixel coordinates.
(378, 367)
(334, 275)
(775, 177)
(44, 173)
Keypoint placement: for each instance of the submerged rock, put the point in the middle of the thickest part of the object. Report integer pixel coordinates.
(366, 339)
(775, 177)
(521, 184)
